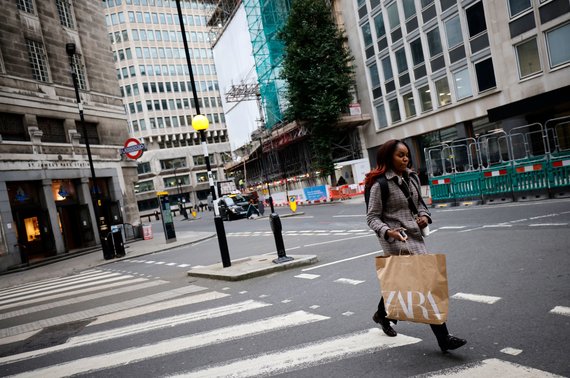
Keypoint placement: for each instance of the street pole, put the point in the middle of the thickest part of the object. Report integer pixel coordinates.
(107, 254)
(200, 123)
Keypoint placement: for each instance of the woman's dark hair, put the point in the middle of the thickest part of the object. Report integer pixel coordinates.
(384, 160)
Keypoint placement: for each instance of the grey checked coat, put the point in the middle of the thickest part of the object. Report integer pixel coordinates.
(397, 214)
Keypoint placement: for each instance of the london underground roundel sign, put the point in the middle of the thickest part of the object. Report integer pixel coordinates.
(133, 148)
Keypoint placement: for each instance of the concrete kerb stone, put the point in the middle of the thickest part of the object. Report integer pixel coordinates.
(250, 267)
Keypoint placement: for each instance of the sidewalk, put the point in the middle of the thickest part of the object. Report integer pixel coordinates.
(69, 264)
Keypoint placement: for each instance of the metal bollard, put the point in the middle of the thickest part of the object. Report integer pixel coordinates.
(276, 227)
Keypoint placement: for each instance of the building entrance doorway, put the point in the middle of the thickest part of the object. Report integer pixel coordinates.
(75, 226)
(35, 240)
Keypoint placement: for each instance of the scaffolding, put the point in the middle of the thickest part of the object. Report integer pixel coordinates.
(265, 18)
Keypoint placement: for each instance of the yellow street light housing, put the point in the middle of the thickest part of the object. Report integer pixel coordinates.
(200, 122)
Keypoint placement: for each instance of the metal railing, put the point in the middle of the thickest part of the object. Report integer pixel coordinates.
(530, 161)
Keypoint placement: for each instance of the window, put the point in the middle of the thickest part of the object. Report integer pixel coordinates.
(387, 68)
(143, 168)
(170, 182)
(417, 51)
(64, 12)
(425, 98)
(203, 176)
(79, 71)
(443, 94)
(200, 160)
(379, 26)
(144, 186)
(557, 41)
(393, 16)
(381, 113)
(476, 19)
(462, 84)
(453, 32)
(409, 8)
(401, 62)
(409, 105)
(528, 59)
(394, 111)
(173, 163)
(26, 6)
(485, 75)
(518, 6)
(375, 81)
(38, 60)
(366, 36)
(434, 42)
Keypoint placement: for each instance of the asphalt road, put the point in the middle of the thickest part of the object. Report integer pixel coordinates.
(508, 281)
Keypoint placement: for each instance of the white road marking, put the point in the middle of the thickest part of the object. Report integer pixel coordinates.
(452, 227)
(497, 225)
(160, 306)
(176, 345)
(38, 292)
(476, 298)
(299, 217)
(561, 310)
(243, 292)
(51, 283)
(183, 265)
(138, 328)
(314, 307)
(306, 355)
(349, 281)
(545, 216)
(491, 367)
(308, 276)
(349, 216)
(547, 224)
(19, 337)
(170, 264)
(70, 292)
(286, 301)
(348, 313)
(339, 240)
(84, 298)
(511, 351)
(341, 261)
(333, 231)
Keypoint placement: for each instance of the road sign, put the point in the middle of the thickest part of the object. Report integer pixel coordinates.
(133, 148)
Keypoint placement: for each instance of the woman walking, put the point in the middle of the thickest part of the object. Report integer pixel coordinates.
(398, 230)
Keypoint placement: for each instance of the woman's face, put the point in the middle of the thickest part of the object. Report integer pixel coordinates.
(401, 158)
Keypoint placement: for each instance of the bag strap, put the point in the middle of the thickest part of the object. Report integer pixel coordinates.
(407, 194)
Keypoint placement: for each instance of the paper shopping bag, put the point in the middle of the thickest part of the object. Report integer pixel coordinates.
(414, 287)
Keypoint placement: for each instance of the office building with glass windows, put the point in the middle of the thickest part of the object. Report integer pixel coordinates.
(46, 186)
(155, 84)
(445, 70)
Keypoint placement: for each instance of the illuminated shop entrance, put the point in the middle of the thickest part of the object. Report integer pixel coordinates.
(31, 221)
(73, 218)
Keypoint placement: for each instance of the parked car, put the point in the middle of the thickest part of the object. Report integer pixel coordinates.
(229, 210)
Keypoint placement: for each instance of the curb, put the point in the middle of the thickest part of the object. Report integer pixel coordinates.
(253, 266)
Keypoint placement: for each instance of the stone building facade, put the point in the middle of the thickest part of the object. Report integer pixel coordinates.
(45, 177)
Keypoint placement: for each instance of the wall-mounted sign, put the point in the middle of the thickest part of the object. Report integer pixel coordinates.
(133, 148)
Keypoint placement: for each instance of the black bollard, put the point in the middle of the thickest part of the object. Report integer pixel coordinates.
(276, 227)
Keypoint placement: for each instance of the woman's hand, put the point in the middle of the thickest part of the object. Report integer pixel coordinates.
(422, 221)
(394, 233)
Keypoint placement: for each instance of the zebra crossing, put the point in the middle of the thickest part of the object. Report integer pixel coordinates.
(160, 323)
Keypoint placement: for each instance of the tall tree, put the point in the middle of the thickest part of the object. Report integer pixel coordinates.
(316, 67)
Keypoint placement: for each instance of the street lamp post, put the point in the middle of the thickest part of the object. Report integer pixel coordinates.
(200, 123)
(108, 251)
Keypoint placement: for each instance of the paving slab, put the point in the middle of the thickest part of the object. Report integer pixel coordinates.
(249, 267)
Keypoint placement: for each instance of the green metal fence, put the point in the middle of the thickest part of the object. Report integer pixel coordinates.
(530, 159)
